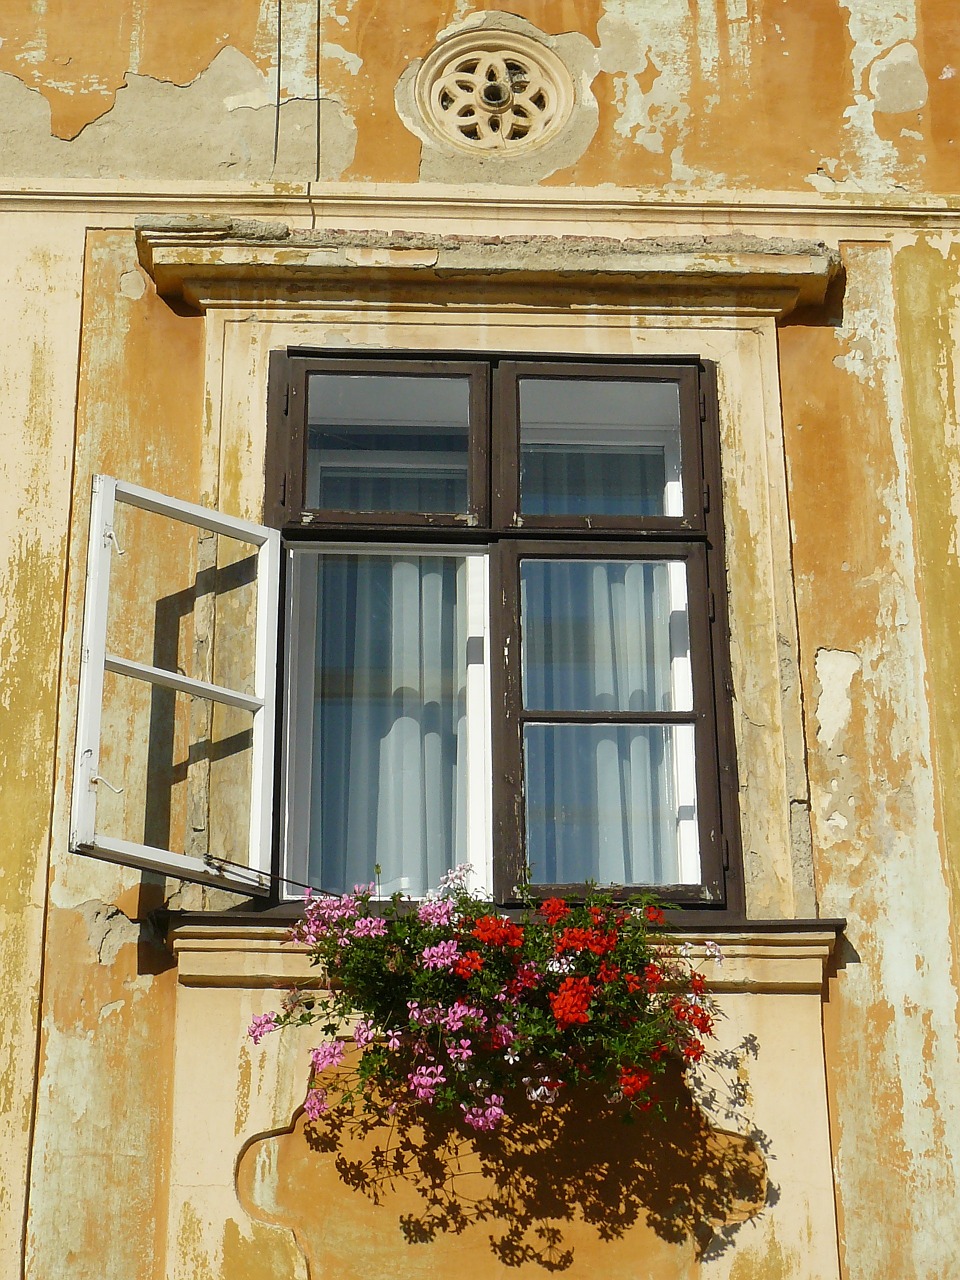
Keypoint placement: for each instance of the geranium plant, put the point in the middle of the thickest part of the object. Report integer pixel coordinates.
(452, 1005)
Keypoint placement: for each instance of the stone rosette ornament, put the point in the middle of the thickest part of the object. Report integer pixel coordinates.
(496, 99)
(447, 1005)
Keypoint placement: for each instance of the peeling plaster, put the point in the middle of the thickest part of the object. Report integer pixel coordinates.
(222, 125)
(875, 832)
(835, 670)
(108, 929)
(897, 81)
(887, 77)
(633, 38)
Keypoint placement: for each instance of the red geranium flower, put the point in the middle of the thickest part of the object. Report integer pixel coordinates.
(599, 941)
(571, 1004)
(469, 963)
(554, 909)
(633, 1081)
(498, 932)
(654, 915)
(608, 972)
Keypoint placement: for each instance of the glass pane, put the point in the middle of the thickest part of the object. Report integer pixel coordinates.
(611, 803)
(599, 447)
(387, 719)
(605, 635)
(387, 442)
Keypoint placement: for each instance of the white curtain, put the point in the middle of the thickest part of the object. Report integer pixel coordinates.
(603, 800)
(389, 784)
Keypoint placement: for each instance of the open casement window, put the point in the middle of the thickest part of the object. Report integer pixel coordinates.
(174, 763)
(568, 724)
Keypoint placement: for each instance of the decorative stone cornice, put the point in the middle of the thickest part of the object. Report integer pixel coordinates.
(220, 954)
(205, 263)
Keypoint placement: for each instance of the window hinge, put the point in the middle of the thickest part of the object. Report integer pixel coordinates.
(712, 606)
(706, 497)
(283, 491)
(725, 851)
(703, 406)
(286, 400)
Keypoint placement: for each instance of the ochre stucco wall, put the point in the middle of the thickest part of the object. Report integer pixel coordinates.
(864, 501)
(826, 119)
(725, 95)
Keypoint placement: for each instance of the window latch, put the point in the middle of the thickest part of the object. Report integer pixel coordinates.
(117, 791)
(109, 535)
(475, 651)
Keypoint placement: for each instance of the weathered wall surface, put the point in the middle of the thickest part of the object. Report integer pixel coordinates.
(100, 1150)
(39, 294)
(868, 504)
(723, 95)
(845, 108)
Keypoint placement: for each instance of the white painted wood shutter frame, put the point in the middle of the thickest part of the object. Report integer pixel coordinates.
(96, 661)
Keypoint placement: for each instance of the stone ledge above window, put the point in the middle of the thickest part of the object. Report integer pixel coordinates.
(205, 263)
(793, 956)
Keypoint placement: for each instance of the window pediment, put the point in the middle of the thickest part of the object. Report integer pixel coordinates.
(206, 263)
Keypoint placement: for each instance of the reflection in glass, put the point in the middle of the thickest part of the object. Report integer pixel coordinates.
(388, 758)
(599, 447)
(387, 442)
(605, 635)
(611, 803)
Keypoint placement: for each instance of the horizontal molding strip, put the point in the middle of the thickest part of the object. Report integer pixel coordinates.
(248, 955)
(366, 204)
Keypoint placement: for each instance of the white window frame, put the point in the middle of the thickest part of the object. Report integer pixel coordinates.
(96, 661)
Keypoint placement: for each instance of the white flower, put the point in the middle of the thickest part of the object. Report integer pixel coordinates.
(560, 964)
(541, 1093)
(714, 951)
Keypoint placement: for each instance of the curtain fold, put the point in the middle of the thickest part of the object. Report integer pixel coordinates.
(389, 720)
(602, 799)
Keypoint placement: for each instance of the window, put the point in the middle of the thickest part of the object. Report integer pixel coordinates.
(501, 587)
(505, 630)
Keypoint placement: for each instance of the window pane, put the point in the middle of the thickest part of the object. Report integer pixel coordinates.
(611, 803)
(598, 447)
(387, 741)
(385, 442)
(605, 635)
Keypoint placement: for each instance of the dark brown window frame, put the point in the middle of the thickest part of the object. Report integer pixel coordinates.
(506, 679)
(696, 537)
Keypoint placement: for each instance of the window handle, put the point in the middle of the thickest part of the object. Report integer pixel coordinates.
(117, 791)
(109, 535)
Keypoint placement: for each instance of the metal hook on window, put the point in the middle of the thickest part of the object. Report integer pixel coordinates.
(117, 791)
(109, 535)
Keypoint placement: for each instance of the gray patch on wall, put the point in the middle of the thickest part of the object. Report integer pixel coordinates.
(897, 81)
(200, 131)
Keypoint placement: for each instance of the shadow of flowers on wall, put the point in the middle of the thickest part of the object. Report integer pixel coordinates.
(553, 1185)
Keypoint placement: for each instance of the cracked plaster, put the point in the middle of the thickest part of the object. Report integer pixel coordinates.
(221, 125)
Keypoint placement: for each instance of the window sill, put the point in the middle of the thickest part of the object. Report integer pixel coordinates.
(250, 953)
